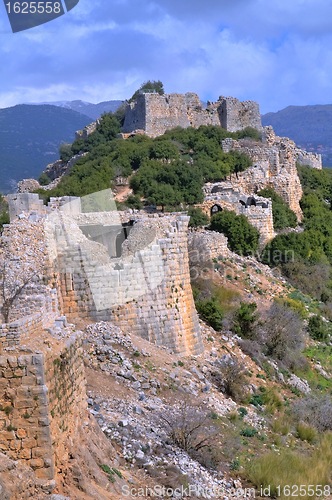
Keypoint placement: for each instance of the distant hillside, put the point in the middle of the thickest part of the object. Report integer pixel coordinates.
(87, 108)
(308, 126)
(29, 139)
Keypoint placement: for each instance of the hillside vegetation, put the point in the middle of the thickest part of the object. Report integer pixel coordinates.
(166, 171)
(305, 258)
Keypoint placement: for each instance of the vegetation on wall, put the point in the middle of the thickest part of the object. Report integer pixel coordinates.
(4, 214)
(242, 236)
(283, 216)
(305, 258)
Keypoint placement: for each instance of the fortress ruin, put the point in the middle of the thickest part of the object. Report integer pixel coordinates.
(154, 113)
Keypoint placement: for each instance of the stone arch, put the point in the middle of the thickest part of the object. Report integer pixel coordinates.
(216, 189)
(251, 201)
(215, 209)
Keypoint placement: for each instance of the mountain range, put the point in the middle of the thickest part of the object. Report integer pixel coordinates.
(86, 108)
(30, 135)
(309, 126)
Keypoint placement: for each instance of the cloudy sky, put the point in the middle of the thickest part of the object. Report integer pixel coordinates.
(277, 53)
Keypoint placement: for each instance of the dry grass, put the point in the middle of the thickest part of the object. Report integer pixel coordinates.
(306, 432)
(293, 469)
(281, 426)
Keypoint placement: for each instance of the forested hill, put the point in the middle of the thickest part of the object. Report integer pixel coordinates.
(303, 124)
(29, 139)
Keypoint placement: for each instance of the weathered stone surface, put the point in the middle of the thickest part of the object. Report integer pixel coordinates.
(154, 114)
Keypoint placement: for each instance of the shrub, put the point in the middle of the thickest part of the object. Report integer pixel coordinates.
(317, 328)
(248, 432)
(191, 428)
(256, 400)
(281, 333)
(44, 180)
(295, 305)
(242, 236)
(315, 411)
(197, 217)
(242, 411)
(210, 311)
(244, 320)
(229, 377)
(65, 152)
(306, 433)
(134, 202)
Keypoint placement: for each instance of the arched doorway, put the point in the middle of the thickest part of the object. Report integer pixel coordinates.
(251, 202)
(215, 209)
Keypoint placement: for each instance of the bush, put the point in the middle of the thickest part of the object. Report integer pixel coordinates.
(283, 216)
(244, 320)
(281, 333)
(229, 377)
(251, 133)
(317, 328)
(242, 237)
(315, 411)
(306, 433)
(191, 428)
(134, 202)
(44, 180)
(65, 152)
(197, 217)
(210, 311)
(295, 305)
(248, 432)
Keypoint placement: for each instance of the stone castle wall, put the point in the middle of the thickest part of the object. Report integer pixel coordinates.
(155, 114)
(42, 399)
(258, 210)
(274, 166)
(147, 289)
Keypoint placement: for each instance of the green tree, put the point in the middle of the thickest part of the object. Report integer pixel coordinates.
(283, 216)
(317, 328)
(149, 85)
(211, 312)
(242, 237)
(134, 202)
(244, 320)
(44, 180)
(162, 195)
(197, 217)
(65, 152)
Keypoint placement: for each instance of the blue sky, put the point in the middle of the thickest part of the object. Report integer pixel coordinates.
(277, 53)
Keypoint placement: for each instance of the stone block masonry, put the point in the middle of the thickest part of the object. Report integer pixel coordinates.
(154, 114)
(146, 290)
(42, 400)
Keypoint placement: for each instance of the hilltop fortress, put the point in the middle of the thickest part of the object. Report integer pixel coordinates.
(154, 114)
(130, 268)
